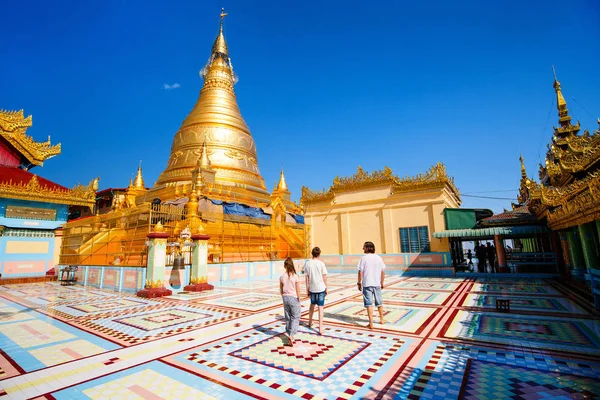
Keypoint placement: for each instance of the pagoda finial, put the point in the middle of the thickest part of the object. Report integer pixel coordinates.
(223, 15)
(523, 171)
(282, 185)
(220, 47)
(138, 183)
(561, 104)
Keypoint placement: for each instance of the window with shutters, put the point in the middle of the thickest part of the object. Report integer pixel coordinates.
(414, 239)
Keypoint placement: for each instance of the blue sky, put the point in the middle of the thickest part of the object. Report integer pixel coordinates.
(324, 86)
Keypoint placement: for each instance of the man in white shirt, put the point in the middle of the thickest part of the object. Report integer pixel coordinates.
(371, 274)
(316, 286)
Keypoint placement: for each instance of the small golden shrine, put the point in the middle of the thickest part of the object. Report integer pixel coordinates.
(211, 185)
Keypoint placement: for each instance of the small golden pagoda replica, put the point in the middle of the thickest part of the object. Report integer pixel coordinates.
(211, 185)
(568, 195)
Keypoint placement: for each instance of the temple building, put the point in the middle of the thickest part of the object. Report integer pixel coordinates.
(567, 197)
(211, 184)
(399, 215)
(32, 208)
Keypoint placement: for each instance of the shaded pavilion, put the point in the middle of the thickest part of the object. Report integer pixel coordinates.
(533, 252)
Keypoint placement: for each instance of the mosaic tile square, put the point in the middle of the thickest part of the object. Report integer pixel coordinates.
(247, 301)
(128, 327)
(33, 333)
(405, 296)
(489, 380)
(12, 314)
(537, 303)
(79, 309)
(513, 288)
(162, 319)
(401, 318)
(150, 381)
(425, 285)
(436, 279)
(315, 356)
(342, 363)
(539, 331)
(207, 294)
(146, 384)
(64, 352)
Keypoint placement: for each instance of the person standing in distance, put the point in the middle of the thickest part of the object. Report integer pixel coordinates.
(371, 274)
(316, 286)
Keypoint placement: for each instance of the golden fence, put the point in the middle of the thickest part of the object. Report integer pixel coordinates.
(119, 237)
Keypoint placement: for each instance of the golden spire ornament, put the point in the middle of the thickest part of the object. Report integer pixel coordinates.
(561, 104)
(138, 183)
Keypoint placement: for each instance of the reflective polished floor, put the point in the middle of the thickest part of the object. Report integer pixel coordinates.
(443, 338)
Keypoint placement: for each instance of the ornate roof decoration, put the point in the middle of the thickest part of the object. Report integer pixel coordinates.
(570, 153)
(519, 216)
(32, 188)
(435, 177)
(569, 192)
(13, 126)
(321, 196)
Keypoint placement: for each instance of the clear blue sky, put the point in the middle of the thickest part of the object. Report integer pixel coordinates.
(324, 86)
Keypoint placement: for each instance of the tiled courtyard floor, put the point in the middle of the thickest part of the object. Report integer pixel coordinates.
(443, 339)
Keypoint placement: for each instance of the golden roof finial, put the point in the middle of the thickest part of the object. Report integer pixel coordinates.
(138, 183)
(561, 104)
(523, 171)
(282, 185)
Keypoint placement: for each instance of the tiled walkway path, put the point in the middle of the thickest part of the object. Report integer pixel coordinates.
(443, 336)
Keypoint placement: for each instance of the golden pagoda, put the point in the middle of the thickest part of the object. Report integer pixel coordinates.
(216, 131)
(211, 185)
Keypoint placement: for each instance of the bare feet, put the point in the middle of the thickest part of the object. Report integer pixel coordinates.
(370, 326)
(383, 321)
(291, 341)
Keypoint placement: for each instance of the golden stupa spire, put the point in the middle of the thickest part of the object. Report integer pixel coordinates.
(282, 185)
(561, 104)
(216, 122)
(138, 183)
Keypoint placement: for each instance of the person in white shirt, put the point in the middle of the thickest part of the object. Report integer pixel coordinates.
(371, 274)
(316, 286)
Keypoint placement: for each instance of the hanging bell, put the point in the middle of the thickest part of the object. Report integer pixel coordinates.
(178, 262)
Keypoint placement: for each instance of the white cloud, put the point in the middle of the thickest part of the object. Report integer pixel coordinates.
(166, 86)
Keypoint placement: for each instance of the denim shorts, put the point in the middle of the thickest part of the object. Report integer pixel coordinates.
(318, 298)
(371, 292)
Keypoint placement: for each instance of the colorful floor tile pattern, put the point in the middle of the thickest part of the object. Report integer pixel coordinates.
(443, 339)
